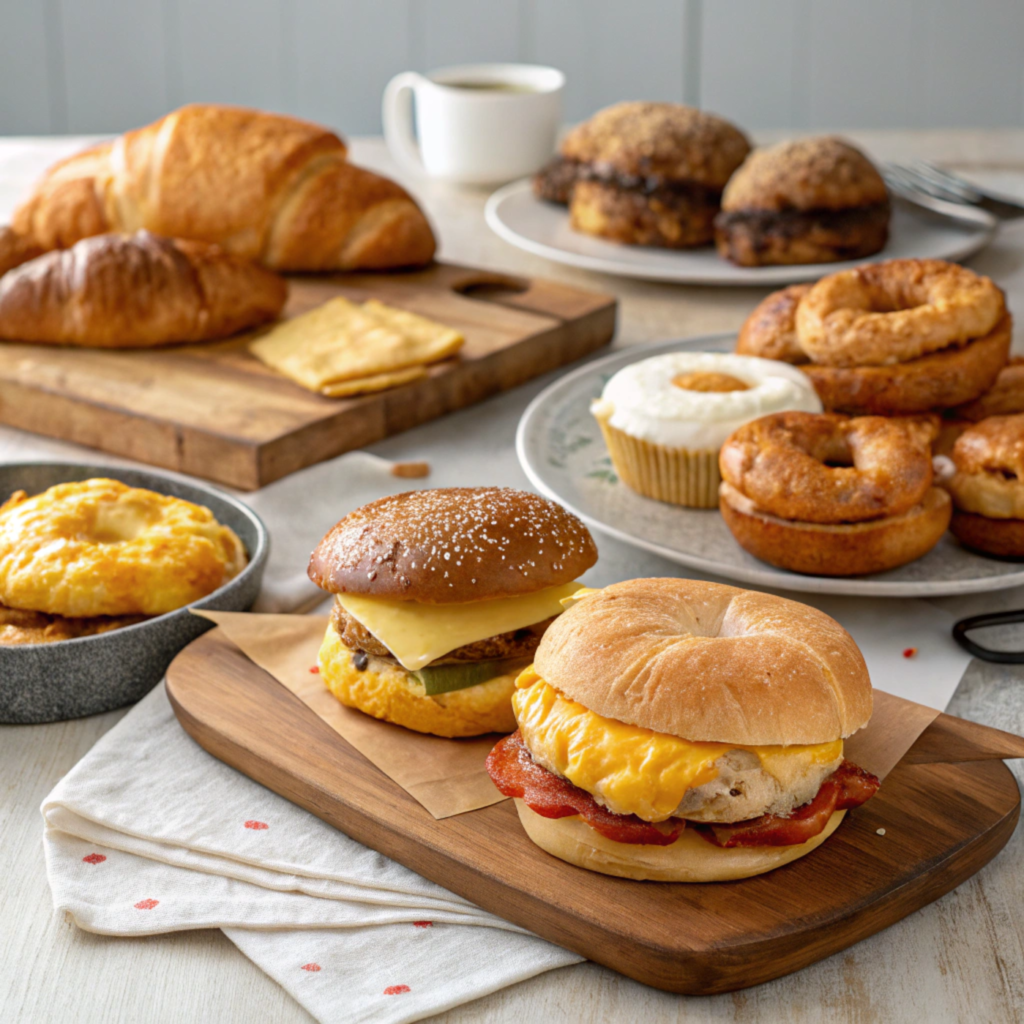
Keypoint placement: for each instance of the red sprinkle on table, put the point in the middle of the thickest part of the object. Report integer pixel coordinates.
(423, 924)
(315, 670)
(94, 858)
(910, 652)
(146, 904)
(256, 825)
(395, 990)
(310, 967)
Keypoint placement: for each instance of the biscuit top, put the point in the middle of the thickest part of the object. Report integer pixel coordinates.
(659, 140)
(452, 545)
(822, 173)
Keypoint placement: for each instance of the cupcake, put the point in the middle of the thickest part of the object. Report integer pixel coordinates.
(664, 419)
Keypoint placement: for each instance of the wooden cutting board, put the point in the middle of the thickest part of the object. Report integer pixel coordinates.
(216, 412)
(942, 821)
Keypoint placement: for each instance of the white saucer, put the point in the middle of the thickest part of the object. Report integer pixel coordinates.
(515, 214)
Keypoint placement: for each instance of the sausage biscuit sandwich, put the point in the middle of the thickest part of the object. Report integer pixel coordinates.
(684, 731)
(442, 599)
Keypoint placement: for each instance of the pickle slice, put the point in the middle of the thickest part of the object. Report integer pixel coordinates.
(446, 678)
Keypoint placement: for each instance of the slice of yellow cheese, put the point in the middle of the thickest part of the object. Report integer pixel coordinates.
(417, 634)
(633, 770)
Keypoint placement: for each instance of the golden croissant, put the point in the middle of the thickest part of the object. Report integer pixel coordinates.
(264, 187)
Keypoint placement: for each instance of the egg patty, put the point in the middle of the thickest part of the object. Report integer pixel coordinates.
(387, 691)
(631, 770)
(98, 547)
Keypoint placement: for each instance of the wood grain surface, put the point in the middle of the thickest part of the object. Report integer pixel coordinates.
(942, 823)
(214, 411)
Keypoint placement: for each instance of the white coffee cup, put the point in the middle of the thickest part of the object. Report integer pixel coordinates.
(478, 124)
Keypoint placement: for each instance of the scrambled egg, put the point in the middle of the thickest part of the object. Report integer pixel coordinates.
(631, 770)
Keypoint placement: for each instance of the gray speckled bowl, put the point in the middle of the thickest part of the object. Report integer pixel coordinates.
(73, 678)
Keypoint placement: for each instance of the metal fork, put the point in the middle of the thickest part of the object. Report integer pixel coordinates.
(942, 185)
(905, 186)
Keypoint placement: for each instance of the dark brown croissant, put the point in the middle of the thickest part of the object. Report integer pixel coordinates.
(136, 291)
(265, 187)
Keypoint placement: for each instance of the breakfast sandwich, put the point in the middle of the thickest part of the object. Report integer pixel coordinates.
(442, 598)
(677, 730)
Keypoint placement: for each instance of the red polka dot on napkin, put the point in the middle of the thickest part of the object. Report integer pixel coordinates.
(395, 990)
(423, 924)
(310, 967)
(257, 825)
(146, 904)
(94, 858)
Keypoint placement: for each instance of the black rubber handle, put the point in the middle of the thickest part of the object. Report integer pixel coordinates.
(964, 626)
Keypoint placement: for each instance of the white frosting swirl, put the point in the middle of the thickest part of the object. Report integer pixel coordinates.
(642, 401)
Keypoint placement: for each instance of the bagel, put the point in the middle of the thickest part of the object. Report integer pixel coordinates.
(885, 313)
(677, 730)
(988, 486)
(935, 381)
(842, 549)
(100, 548)
(828, 468)
(770, 331)
(950, 377)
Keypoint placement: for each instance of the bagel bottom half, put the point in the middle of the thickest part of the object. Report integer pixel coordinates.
(688, 859)
(387, 691)
(842, 549)
(1003, 538)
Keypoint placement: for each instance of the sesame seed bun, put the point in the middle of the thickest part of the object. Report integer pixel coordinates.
(688, 859)
(453, 545)
(708, 663)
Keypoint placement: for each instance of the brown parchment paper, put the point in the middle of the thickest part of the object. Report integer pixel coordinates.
(447, 776)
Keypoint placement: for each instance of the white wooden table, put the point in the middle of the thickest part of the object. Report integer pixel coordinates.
(961, 959)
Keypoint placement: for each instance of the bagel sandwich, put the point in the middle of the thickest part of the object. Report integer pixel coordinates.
(442, 597)
(682, 731)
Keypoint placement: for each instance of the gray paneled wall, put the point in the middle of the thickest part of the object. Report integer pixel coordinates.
(105, 65)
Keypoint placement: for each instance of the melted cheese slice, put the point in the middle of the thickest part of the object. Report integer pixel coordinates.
(628, 769)
(417, 634)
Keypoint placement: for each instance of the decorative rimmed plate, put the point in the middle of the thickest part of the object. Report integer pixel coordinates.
(514, 213)
(561, 450)
(73, 678)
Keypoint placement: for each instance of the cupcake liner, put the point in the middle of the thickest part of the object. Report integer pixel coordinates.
(679, 476)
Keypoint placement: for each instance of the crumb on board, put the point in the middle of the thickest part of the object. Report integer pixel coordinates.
(880, 831)
(410, 470)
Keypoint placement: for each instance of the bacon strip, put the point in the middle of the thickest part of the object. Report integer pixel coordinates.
(516, 774)
(848, 786)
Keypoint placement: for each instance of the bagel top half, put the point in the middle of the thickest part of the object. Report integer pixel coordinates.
(709, 663)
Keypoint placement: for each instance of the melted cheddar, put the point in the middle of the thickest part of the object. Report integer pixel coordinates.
(417, 634)
(629, 769)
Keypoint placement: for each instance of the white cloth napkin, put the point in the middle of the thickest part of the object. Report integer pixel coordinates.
(148, 833)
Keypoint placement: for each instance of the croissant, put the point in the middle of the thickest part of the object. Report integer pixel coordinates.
(136, 291)
(16, 249)
(265, 187)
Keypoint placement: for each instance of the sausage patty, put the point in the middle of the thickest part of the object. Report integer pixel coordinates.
(520, 643)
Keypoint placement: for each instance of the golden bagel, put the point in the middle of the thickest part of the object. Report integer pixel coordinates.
(98, 547)
(893, 312)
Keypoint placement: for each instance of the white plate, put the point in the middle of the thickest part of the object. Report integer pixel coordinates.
(560, 447)
(515, 214)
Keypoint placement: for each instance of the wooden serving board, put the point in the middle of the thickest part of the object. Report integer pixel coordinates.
(942, 821)
(214, 411)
